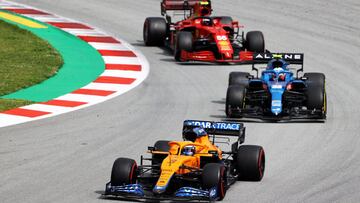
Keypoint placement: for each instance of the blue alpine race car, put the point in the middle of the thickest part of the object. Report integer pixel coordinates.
(279, 93)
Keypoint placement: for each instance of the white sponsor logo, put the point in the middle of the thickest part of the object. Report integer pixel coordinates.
(221, 37)
(284, 56)
(276, 86)
(276, 103)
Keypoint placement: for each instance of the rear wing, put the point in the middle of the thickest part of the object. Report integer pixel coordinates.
(218, 128)
(290, 58)
(176, 5)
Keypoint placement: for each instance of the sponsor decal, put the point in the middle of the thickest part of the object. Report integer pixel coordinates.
(221, 37)
(215, 125)
(279, 56)
(276, 86)
(224, 43)
(225, 48)
(276, 103)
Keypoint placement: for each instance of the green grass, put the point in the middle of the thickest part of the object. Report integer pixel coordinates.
(6, 104)
(25, 60)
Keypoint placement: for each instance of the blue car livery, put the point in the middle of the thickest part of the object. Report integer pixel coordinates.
(278, 93)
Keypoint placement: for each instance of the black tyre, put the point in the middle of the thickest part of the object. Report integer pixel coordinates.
(239, 78)
(255, 41)
(235, 99)
(163, 146)
(250, 162)
(226, 20)
(316, 94)
(154, 31)
(124, 171)
(214, 176)
(184, 41)
(315, 80)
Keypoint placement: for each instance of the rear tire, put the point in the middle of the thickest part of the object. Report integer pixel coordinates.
(163, 146)
(315, 79)
(214, 176)
(154, 31)
(234, 99)
(255, 41)
(239, 78)
(250, 162)
(184, 41)
(123, 172)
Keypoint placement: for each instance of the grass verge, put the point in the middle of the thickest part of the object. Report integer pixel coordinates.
(25, 60)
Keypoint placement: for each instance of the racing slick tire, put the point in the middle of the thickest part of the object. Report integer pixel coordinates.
(235, 99)
(239, 78)
(123, 172)
(154, 31)
(315, 79)
(163, 146)
(316, 94)
(255, 41)
(250, 162)
(184, 41)
(226, 20)
(213, 175)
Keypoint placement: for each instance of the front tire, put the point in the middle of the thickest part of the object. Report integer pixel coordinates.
(255, 41)
(154, 31)
(214, 176)
(250, 162)
(235, 97)
(239, 78)
(184, 41)
(124, 171)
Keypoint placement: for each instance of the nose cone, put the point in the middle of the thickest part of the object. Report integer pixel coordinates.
(277, 91)
(276, 107)
(228, 55)
(276, 111)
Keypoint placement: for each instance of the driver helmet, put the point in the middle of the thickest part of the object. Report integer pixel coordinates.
(277, 64)
(206, 21)
(203, 8)
(189, 150)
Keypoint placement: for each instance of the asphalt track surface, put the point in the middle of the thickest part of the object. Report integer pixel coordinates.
(68, 158)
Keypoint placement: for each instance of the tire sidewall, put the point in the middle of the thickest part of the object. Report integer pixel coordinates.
(214, 176)
(255, 41)
(250, 162)
(124, 171)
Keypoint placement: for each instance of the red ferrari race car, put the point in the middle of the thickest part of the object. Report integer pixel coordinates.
(200, 36)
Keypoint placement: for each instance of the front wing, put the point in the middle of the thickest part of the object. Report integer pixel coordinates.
(209, 56)
(259, 114)
(137, 192)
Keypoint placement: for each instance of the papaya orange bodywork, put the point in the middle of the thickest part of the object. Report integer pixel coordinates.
(177, 163)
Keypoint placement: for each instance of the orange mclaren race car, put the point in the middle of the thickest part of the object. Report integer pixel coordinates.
(192, 169)
(198, 36)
